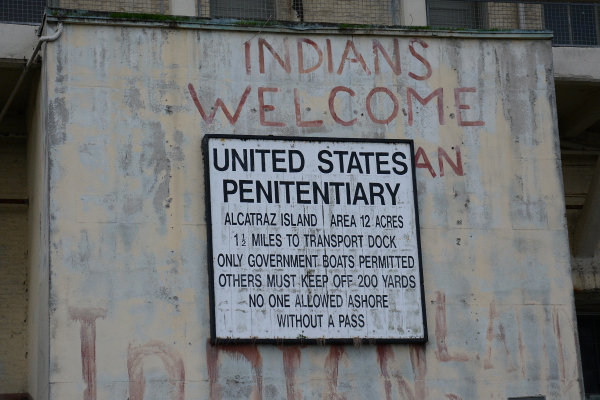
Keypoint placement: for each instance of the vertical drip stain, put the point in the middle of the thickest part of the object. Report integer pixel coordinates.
(291, 362)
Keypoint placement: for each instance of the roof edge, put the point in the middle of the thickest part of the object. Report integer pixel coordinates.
(184, 22)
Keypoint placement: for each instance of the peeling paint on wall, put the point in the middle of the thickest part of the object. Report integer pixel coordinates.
(127, 109)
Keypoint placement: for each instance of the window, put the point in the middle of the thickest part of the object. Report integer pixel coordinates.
(455, 14)
(572, 24)
(243, 9)
(22, 11)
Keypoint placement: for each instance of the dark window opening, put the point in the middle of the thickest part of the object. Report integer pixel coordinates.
(589, 342)
(455, 14)
(528, 398)
(243, 9)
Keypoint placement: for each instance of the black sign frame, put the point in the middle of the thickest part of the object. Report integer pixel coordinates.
(210, 263)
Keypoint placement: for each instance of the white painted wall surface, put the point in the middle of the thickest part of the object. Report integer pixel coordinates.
(577, 63)
(18, 41)
(129, 296)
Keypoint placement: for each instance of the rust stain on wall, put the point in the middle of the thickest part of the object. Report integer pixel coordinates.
(384, 354)
(419, 366)
(248, 352)
(292, 357)
(212, 363)
(386, 358)
(332, 364)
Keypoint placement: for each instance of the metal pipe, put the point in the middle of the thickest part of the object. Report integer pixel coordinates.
(50, 38)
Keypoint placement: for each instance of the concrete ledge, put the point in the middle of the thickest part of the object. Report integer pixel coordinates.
(577, 64)
(174, 22)
(17, 41)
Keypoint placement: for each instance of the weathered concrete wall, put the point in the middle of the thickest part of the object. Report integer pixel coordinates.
(38, 320)
(127, 109)
(13, 267)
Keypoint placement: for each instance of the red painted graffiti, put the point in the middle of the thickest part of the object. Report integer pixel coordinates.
(301, 68)
(459, 106)
(389, 93)
(263, 107)
(275, 98)
(411, 48)
(568, 378)
(413, 389)
(248, 352)
(171, 360)
(87, 317)
(219, 104)
(350, 55)
(381, 56)
(332, 111)
(439, 93)
(422, 161)
(285, 62)
(501, 336)
(358, 58)
(394, 65)
(441, 331)
(299, 121)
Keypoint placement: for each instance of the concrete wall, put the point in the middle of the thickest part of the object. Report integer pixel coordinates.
(129, 311)
(38, 262)
(585, 69)
(13, 267)
(18, 41)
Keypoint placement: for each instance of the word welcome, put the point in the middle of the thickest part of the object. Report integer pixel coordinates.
(326, 62)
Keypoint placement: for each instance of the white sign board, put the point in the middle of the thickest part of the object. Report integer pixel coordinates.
(313, 239)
